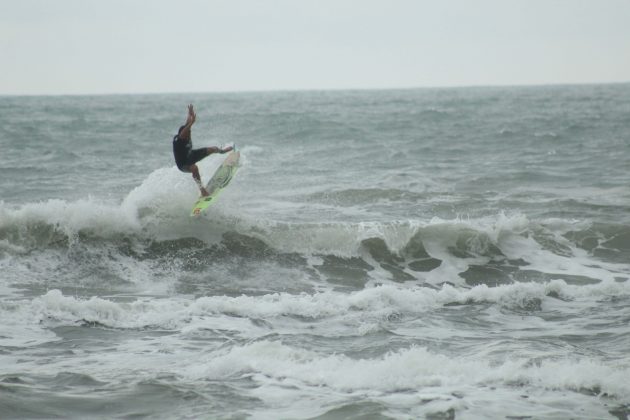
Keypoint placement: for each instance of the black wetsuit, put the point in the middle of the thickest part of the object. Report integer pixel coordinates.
(185, 155)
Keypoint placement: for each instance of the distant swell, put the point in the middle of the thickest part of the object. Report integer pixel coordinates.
(380, 302)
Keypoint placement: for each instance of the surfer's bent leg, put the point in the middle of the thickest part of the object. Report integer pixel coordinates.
(198, 154)
(195, 156)
(197, 178)
(195, 174)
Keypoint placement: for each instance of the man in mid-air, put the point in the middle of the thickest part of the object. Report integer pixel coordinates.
(185, 156)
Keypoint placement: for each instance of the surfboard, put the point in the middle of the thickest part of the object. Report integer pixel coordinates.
(221, 178)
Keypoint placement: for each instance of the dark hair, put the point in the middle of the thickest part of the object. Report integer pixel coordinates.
(180, 129)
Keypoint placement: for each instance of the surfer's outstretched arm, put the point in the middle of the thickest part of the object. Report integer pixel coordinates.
(190, 120)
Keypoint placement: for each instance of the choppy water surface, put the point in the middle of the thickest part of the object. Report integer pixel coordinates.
(436, 253)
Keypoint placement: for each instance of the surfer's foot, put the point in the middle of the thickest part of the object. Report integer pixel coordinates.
(204, 192)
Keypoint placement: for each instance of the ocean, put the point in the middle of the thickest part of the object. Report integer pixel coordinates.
(452, 253)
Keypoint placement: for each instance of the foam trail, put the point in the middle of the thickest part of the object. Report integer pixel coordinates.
(174, 313)
(412, 369)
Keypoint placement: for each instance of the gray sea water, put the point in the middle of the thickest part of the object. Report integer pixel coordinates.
(427, 253)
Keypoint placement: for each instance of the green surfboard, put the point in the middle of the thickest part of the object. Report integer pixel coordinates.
(218, 182)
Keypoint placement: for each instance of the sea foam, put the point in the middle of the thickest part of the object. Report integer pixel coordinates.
(174, 313)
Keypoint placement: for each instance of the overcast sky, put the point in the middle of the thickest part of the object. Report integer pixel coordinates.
(135, 46)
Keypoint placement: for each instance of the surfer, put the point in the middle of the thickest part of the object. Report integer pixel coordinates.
(185, 156)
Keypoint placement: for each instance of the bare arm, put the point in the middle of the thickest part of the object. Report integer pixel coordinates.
(190, 120)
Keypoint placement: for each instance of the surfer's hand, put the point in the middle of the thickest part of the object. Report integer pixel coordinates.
(227, 149)
(191, 115)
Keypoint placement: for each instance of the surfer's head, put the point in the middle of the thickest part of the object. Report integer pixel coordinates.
(180, 129)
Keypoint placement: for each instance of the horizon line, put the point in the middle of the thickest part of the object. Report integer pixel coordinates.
(348, 89)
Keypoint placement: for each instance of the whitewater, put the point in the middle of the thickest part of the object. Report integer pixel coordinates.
(458, 253)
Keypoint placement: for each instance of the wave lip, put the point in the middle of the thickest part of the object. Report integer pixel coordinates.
(53, 220)
(497, 250)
